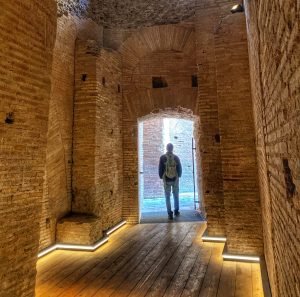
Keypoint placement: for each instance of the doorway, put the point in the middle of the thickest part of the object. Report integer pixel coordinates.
(154, 134)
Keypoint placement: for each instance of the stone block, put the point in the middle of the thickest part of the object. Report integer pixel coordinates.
(79, 229)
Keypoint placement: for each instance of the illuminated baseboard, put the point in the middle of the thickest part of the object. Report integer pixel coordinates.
(73, 247)
(80, 247)
(239, 258)
(230, 257)
(115, 228)
(208, 238)
(226, 256)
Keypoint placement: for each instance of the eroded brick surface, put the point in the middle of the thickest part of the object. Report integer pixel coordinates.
(273, 30)
(97, 170)
(57, 193)
(26, 42)
(239, 166)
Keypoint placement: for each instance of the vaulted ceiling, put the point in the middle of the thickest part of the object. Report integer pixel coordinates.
(129, 13)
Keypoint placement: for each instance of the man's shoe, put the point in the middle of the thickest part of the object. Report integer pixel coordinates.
(177, 213)
(170, 216)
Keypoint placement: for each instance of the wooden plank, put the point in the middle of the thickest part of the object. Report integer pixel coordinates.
(194, 283)
(113, 267)
(257, 287)
(139, 270)
(49, 265)
(143, 266)
(115, 276)
(149, 278)
(165, 277)
(243, 287)
(116, 281)
(59, 275)
(227, 280)
(211, 280)
(85, 274)
(181, 277)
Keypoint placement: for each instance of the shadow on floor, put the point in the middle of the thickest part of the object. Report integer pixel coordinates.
(162, 217)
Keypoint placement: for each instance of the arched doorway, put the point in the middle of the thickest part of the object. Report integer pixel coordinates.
(154, 132)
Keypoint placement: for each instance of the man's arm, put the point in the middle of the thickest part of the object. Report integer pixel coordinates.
(161, 167)
(178, 167)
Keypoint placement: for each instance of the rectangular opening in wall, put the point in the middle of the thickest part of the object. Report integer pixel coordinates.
(159, 82)
(194, 81)
(288, 177)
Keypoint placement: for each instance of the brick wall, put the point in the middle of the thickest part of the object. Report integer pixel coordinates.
(109, 162)
(231, 192)
(97, 170)
(171, 56)
(239, 167)
(153, 148)
(57, 186)
(210, 150)
(273, 29)
(27, 33)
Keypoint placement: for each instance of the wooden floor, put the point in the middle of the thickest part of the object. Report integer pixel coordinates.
(149, 260)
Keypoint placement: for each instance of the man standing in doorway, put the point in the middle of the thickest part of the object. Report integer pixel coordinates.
(170, 171)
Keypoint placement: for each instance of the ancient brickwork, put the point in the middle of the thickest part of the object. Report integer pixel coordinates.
(57, 188)
(109, 153)
(239, 167)
(274, 54)
(212, 181)
(227, 141)
(97, 170)
(129, 13)
(140, 13)
(171, 56)
(153, 148)
(57, 185)
(27, 34)
(73, 7)
(79, 229)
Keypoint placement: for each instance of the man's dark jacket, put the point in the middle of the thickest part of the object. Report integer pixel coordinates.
(162, 167)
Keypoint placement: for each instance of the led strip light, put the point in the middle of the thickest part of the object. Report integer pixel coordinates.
(115, 228)
(241, 258)
(213, 238)
(79, 247)
(225, 256)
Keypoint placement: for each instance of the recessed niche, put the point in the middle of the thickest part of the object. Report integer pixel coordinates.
(119, 88)
(10, 118)
(217, 138)
(84, 77)
(48, 223)
(103, 81)
(288, 177)
(159, 82)
(194, 81)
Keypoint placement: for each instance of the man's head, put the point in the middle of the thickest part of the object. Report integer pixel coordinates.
(170, 147)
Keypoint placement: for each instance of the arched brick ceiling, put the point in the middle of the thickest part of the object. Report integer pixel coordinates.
(167, 51)
(154, 39)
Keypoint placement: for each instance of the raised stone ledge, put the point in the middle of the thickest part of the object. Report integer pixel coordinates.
(79, 229)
